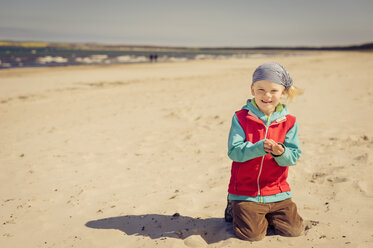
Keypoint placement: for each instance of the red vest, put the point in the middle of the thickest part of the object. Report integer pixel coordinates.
(262, 173)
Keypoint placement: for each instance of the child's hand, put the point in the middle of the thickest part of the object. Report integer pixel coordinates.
(271, 146)
(268, 146)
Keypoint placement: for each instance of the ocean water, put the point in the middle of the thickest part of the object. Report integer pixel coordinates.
(16, 57)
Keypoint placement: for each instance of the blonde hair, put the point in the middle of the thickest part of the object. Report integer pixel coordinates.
(292, 92)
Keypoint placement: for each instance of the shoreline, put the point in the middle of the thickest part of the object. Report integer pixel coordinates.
(296, 53)
(59, 58)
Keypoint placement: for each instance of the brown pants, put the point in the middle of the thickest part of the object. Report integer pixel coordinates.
(251, 219)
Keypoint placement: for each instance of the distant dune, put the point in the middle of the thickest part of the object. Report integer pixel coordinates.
(97, 46)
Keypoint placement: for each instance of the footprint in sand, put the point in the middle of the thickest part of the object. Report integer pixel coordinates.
(337, 180)
(195, 242)
(317, 176)
(362, 158)
(364, 187)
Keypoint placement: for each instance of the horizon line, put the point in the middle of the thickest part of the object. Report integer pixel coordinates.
(363, 45)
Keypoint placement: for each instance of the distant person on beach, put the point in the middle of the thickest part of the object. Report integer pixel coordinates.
(153, 57)
(263, 143)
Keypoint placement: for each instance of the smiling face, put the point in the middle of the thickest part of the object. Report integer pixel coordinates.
(267, 95)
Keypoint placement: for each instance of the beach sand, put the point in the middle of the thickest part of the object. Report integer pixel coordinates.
(136, 155)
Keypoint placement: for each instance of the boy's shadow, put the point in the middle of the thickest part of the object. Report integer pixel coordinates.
(156, 226)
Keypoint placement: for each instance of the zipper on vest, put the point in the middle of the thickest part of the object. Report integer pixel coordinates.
(261, 164)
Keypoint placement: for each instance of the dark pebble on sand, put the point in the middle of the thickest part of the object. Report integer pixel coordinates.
(176, 215)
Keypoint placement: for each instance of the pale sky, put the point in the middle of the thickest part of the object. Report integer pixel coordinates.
(189, 22)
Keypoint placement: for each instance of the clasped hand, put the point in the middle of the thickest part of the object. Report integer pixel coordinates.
(271, 146)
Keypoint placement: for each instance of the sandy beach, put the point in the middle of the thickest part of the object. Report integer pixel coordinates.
(136, 155)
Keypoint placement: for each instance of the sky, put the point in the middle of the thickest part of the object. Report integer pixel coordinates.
(207, 23)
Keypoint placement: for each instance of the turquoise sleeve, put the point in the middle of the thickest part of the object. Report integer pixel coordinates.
(292, 148)
(238, 149)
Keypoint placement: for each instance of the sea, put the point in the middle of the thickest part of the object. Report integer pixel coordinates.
(18, 57)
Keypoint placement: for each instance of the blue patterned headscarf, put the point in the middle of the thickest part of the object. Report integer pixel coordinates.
(273, 72)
